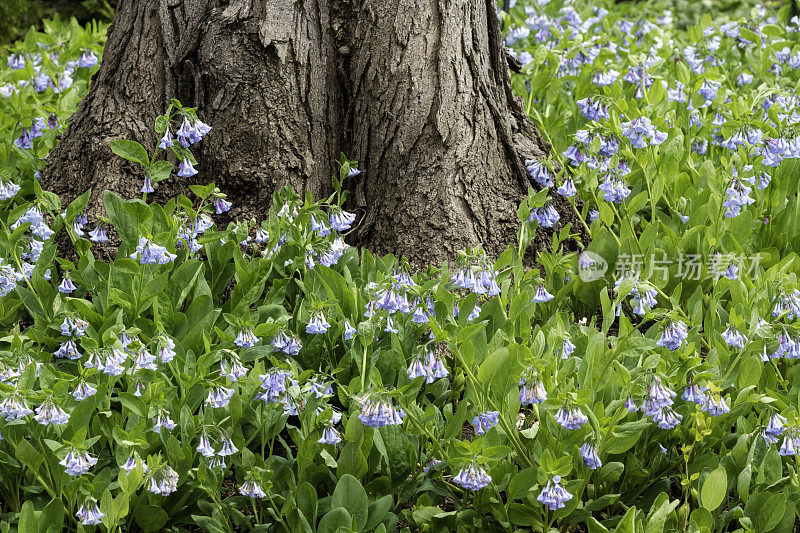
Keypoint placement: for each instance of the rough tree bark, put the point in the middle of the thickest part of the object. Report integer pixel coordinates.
(417, 91)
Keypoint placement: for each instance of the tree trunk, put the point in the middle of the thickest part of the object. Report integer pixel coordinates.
(417, 91)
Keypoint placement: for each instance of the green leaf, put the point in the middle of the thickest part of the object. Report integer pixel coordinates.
(470, 331)
(610, 472)
(743, 482)
(122, 221)
(334, 519)
(133, 403)
(351, 461)
(307, 502)
(82, 414)
(78, 204)
(396, 442)
(161, 170)
(151, 518)
(27, 519)
(770, 513)
(624, 436)
(130, 150)
(714, 489)
(52, 518)
(595, 527)
(377, 511)
(139, 210)
(351, 495)
(522, 482)
(202, 191)
(627, 524)
(28, 455)
(162, 123)
(522, 515)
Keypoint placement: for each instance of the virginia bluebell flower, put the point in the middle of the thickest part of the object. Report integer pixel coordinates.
(565, 349)
(604, 79)
(245, 338)
(667, 418)
(614, 189)
(546, 216)
(737, 196)
(87, 59)
(14, 407)
(630, 405)
(66, 286)
(541, 295)
(191, 132)
(675, 332)
(378, 411)
(570, 417)
(150, 253)
(590, 456)
(275, 384)
(89, 513)
(50, 413)
(219, 397)
(68, 350)
(228, 448)
(695, 393)
(232, 368)
(167, 141)
(113, 365)
(678, 94)
(554, 495)
(16, 62)
(83, 391)
(162, 419)
(592, 109)
(77, 462)
(484, 421)
(473, 477)
(221, 206)
(775, 426)
(185, 169)
(428, 365)
(337, 249)
(644, 300)
(144, 360)
(98, 234)
(163, 482)
(251, 489)
(539, 173)
(330, 436)
(787, 303)
(147, 186)
(567, 188)
(733, 338)
(640, 132)
(708, 90)
(658, 396)
(204, 446)
(532, 389)
(73, 326)
(8, 189)
(790, 444)
(716, 405)
(317, 324)
(342, 220)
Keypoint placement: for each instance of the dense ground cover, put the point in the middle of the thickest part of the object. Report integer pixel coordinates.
(266, 376)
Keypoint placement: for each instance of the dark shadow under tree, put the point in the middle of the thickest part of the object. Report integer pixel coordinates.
(417, 91)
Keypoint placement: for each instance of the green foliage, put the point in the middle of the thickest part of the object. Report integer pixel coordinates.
(265, 376)
(18, 16)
